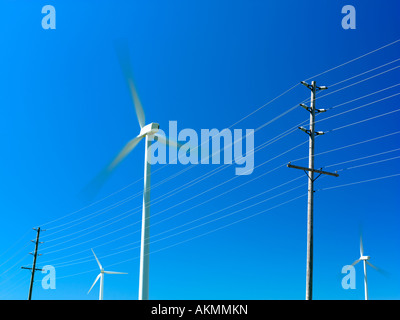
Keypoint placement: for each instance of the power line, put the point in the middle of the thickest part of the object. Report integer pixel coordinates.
(191, 183)
(228, 208)
(208, 200)
(184, 201)
(362, 158)
(131, 198)
(359, 107)
(361, 121)
(288, 90)
(367, 95)
(355, 59)
(224, 226)
(358, 82)
(354, 144)
(119, 252)
(359, 182)
(178, 189)
(365, 72)
(370, 163)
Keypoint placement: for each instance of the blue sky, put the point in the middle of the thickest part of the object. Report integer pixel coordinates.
(66, 112)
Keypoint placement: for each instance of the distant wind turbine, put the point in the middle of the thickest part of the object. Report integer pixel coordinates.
(101, 277)
(148, 131)
(365, 261)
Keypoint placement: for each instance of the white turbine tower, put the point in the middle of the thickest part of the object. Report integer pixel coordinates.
(101, 277)
(148, 132)
(365, 261)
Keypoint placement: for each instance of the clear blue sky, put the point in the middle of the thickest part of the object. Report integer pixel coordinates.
(66, 112)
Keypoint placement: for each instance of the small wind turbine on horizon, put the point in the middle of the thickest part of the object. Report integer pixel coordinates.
(148, 132)
(101, 277)
(365, 261)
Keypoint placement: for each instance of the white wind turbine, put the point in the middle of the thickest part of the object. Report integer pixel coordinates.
(101, 277)
(365, 261)
(148, 132)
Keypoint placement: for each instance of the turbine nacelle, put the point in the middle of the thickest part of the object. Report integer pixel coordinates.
(149, 129)
(365, 257)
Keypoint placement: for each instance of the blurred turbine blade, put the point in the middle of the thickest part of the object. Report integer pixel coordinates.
(115, 272)
(355, 262)
(361, 243)
(376, 268)
(98, 262)
(167, 141)
(97, 278)
(371, 265)
(124, 152)
(93, 188)
(121, 47)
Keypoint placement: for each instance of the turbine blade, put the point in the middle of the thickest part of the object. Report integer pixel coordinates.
(371, 265)
(97, 278)
(123, 57)
(124, 152)
(115, 272)
(93, 188)
(167, 141)
(98, 262)
(376, 268)
(361, 244)
(355, 262)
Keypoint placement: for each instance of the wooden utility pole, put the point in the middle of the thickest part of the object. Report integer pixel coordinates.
(310, 173)
(33, 269)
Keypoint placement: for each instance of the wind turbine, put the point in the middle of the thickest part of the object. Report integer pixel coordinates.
(148, 132)
(101, 277)
(365, 261)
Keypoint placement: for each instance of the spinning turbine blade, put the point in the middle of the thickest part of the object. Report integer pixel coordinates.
(361, 246)
(124, 152)
(115, 272)
(167, 141)
(97, 278)
(123, 58)
(95, 185)
(377, 269)
(98, 262)
(355, 262)
(371, 265)
(137, 104)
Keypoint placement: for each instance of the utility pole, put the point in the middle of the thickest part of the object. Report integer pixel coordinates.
(33, 269)
(310, 173)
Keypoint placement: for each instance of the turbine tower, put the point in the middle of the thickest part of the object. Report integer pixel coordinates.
(101, 277)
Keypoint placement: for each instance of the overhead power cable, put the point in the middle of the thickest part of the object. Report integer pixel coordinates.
(291, 88)
(359, 182)
(355, 59)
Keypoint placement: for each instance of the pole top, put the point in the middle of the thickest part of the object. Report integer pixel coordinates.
(312, 85)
